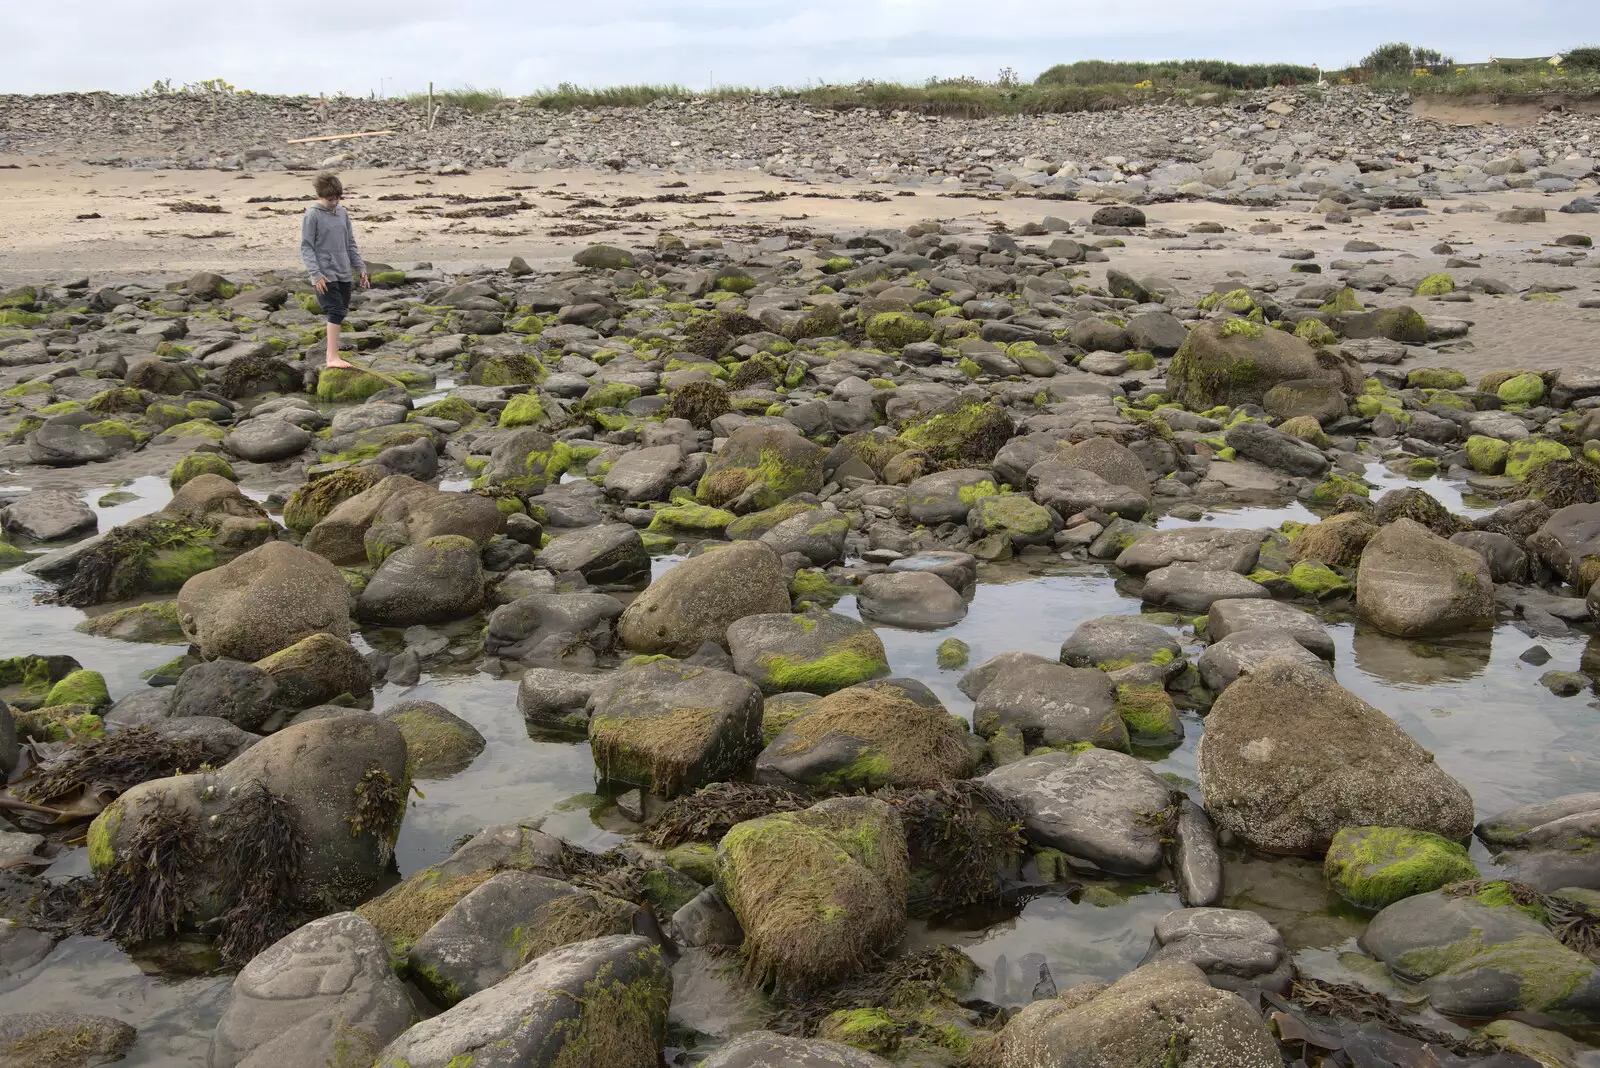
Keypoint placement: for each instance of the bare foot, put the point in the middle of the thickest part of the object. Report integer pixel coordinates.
(334, 361)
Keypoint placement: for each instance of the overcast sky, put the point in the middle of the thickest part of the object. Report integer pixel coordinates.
(518, 46)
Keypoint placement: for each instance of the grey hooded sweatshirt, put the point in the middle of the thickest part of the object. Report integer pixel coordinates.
(328, 245)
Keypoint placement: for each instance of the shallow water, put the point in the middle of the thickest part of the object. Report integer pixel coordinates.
(1471, 701)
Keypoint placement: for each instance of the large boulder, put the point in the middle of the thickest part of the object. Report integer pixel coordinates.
(1569, 542)
(696, 601)
(1194, 588)
(526, 460)
(599, 1002)
(1245, 651)
(1289, 757)
(553, 627)
(1415, 584)
(1096, 805)
(1371, 867)
(1161, 1015)
(947, 496)
(242, 694)
(1482, 954)
(865, 738)
(1210, 548)
(554, 698)
(1111, 460)
(439, 743)
(820, 893)
(1235, 362)
(264, 601)
(340, 535)
(610, 554)
(512, 919)
(1111, 643)
(672, 727)
(316, 670)
(760, 466)
(1277, 450)
(407, 911)
(300, 823)
(645, 474)
(324, 994)
(1229, 617)
(818, 535)
(47, 515)
(1057, 484)
(1050, 704)
(819, 652)
(433, 581)
(919, 600)
(266, 439)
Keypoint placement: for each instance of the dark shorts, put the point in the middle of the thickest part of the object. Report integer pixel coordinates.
(336, 301)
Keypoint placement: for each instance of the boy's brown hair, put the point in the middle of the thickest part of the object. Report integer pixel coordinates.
(328, 186)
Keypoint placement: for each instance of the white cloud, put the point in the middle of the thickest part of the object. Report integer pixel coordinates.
(357, 46)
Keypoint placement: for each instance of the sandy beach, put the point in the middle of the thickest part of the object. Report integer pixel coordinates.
(61, 220)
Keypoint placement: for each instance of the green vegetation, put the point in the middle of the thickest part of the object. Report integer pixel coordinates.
(467, 98)
(1177, 73)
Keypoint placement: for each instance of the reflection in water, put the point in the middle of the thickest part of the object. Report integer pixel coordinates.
(175, 1018)
(1420, 661)
(1099, 938)
(1471, 701)
(1244, 518)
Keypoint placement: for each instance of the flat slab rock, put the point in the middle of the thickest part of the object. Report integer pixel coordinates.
(530, 1016)
(1095, 804)
(310, 996)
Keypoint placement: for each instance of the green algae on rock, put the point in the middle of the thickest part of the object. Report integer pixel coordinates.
(1372, 867)
(820, 893)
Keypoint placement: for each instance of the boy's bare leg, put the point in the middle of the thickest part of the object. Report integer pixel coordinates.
(334, 360)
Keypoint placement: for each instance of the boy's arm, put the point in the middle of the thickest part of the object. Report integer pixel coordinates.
(357, 264)
(308, 248)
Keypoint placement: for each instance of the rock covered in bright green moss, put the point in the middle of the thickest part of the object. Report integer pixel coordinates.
(692, 519)
(961, 435)
(774, 462)
(1435, 285)
(896, 330)
(1487, 455)
(1216, 366)
(1436, 378)
(1372, 867)
(525, 409)
(952, 654)
(1526, 388)
(1526, 454)
(819, 652)
(352, 385)
(81, 687)
(200, 463)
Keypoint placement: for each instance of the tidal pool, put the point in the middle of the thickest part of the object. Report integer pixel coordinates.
(1472, 701)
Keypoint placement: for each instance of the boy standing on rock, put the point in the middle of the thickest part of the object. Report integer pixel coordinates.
(328, 249)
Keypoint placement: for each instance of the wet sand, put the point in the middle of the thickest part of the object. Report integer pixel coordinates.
(134, 235)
